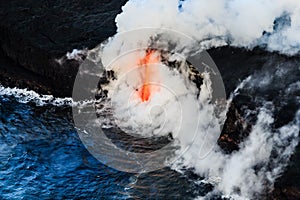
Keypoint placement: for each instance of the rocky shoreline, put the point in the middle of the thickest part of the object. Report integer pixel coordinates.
(35, 35)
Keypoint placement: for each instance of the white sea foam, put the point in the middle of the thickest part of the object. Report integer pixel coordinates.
(26, 96)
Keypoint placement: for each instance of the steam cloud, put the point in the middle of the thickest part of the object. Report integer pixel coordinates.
(272, 24)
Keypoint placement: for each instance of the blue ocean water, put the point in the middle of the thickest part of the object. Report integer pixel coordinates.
(42, 157)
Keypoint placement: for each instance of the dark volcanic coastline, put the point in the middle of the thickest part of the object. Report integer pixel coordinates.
(34, 34)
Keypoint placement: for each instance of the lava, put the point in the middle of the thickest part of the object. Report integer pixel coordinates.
(147, 89)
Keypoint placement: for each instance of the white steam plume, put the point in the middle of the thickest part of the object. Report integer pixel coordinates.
(215, 23)
(242, 23)
(254, 168)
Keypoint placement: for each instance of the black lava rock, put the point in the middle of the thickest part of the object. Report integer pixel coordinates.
(34, 34)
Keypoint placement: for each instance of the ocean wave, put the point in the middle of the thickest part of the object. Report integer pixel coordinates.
(26, 96)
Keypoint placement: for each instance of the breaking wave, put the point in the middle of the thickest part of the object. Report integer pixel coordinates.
(29, 96)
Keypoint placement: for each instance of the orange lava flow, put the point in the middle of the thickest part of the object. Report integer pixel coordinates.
(147, 89)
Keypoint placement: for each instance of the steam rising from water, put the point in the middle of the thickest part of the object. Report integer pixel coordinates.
(275, 26)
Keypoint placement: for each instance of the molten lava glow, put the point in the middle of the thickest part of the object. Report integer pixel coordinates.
(147, 89)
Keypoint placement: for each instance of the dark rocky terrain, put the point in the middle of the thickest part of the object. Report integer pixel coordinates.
(35, 33)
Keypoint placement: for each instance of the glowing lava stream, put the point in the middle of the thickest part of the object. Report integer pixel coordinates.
(147, 89)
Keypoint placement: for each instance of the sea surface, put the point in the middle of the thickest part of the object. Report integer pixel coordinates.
(42, 157)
